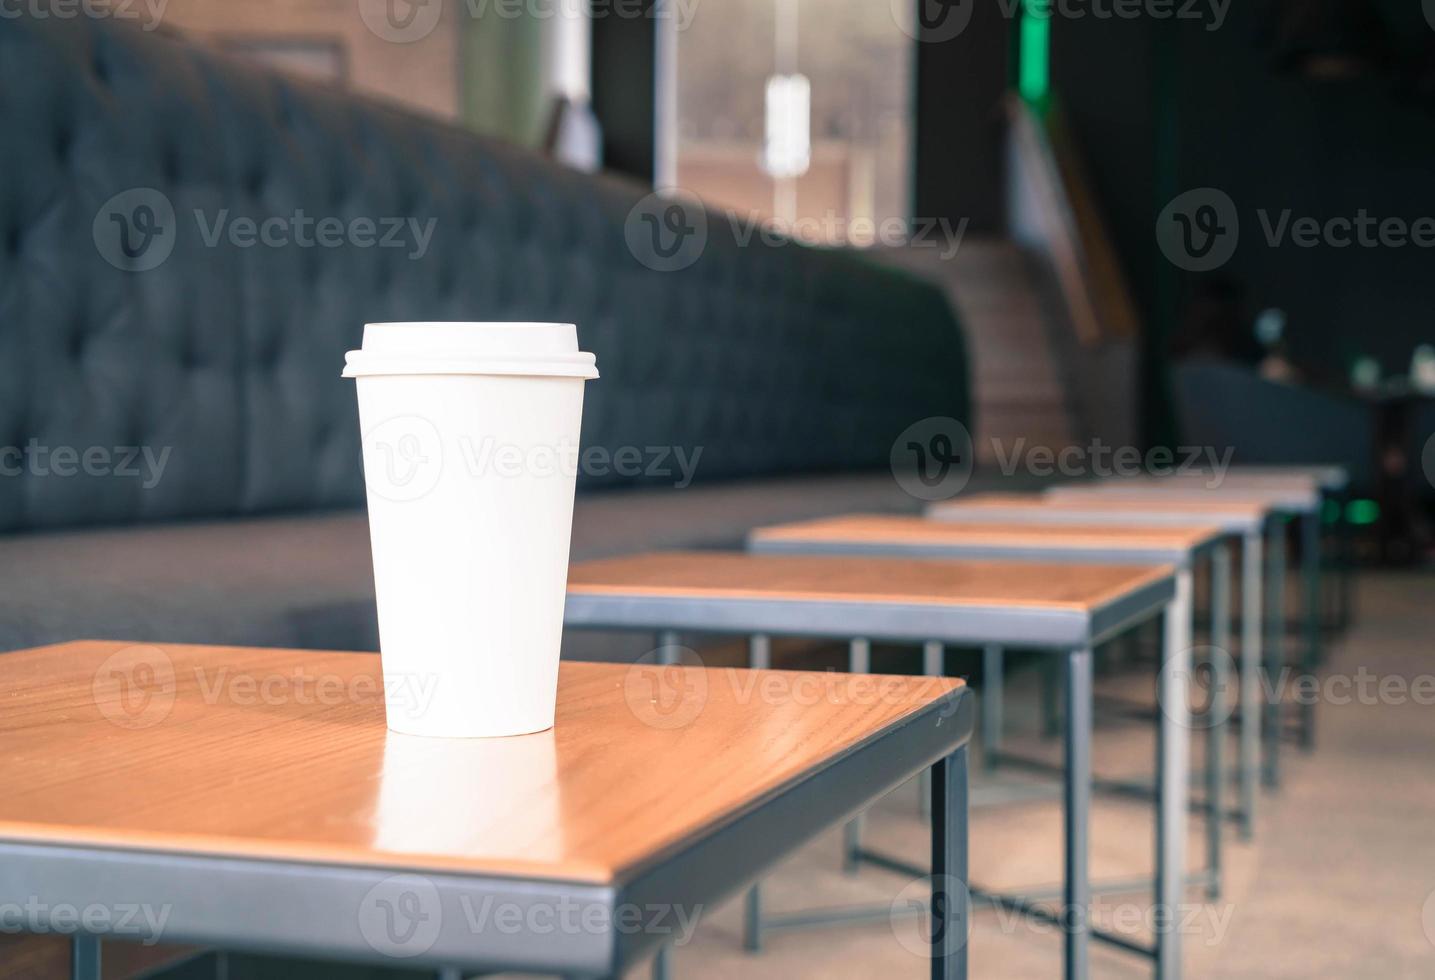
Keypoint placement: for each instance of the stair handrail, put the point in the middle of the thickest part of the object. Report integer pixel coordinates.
(1044, 189)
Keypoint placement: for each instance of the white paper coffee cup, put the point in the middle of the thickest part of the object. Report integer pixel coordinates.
(470, 442)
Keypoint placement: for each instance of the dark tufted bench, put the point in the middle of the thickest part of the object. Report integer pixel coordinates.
(781, 363)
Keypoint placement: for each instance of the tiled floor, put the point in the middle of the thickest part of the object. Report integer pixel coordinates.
(1336, 884)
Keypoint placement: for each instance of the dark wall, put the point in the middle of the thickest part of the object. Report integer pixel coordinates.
(1324, 149)
(959, 131)
(1105, 79)
(1212, 104)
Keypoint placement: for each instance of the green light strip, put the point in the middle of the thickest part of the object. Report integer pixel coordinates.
(1034, 62)
(1362, 512)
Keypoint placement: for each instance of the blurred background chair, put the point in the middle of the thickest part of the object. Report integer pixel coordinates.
(1230, 406)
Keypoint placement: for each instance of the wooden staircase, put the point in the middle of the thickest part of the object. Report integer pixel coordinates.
(1048, 315)
(1019, 397)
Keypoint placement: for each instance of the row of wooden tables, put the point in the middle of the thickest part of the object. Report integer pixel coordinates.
(138, 776)
(1059, 574)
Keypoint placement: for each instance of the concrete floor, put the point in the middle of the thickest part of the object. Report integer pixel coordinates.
(1338, 882)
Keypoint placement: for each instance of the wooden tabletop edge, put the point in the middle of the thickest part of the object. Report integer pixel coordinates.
(759, 595)
(949, 701)
(170, 846)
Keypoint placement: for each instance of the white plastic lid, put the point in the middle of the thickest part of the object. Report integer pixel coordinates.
(457, 347)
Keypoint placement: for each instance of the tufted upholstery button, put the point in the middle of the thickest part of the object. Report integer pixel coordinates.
(64, 140)
(189, 359)
(254, 181)
(268, 354)
(170, 163)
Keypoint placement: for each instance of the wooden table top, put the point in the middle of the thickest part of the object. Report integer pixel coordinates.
(1230, 480)
(284, 755)
(1330, 476)
(909, 530)
(735, 575)
(1092, 503)
(1305, 496)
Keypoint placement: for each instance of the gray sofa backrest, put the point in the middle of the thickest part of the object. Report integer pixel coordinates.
(772, 358)
(1230, 406)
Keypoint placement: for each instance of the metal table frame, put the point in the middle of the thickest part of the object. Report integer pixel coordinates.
(1215, 551)
(288, 906)
(1333, 482)
(1299, 504)
(1262, 592)
(1069, 633)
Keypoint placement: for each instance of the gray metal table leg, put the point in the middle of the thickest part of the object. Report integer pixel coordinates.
(1251, 715)
(1050, 723)
(1345, 539)
(759, 652)
(991, 705)
(85, 957)
(668, 653)
(668, 649)
(1172, 774)
(859, 661)
(951, 901)
(859, 657)
(752, 920)
(1075, 914)
(759, 657)
(1310, 561)
(933, 656)
(1275, 650)
(1330, 551)
(1218, 710)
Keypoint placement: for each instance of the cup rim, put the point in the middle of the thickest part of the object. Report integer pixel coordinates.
(552, 350)
(580, 365)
